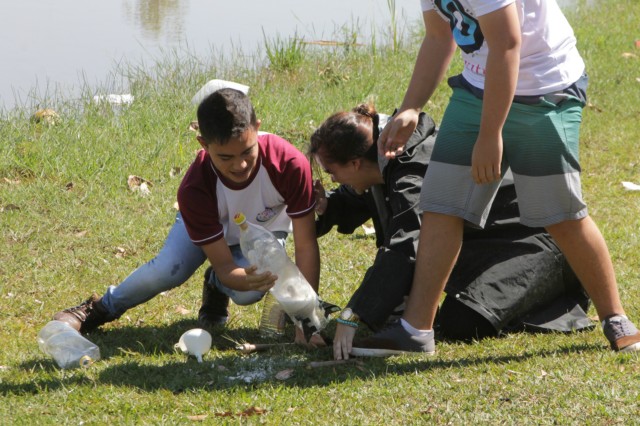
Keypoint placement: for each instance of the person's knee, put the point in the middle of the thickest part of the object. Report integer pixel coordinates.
(569, 227)
(245, 298)
(240, 298)
(175, 263)
(456, 321)
(167, 275)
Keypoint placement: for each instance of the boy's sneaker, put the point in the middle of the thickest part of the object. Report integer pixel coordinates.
(87, 316)
(214, 304)
(394, 340)
(621, 333)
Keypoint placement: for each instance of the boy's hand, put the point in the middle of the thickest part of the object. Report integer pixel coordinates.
(397, 132)
(486, 159)
(316, 341)
(260, 282)
(321, 197)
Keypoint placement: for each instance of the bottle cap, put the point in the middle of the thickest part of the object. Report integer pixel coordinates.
(85, 361)
(239, 218)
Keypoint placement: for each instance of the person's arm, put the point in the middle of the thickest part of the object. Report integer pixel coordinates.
(433, 59)
(307, 253)
(502, 33)
(341, 207)
(233, 276)
(389, 279)
(386, 282)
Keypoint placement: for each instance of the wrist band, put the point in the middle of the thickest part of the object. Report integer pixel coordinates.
(349, 323)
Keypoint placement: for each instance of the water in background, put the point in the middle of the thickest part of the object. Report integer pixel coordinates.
(52, 49)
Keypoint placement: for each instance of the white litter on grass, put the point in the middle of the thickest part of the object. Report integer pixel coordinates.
(251, 376)
(368, 230)
(138, 184)
(258, 369)
(143, 189)
(253, 369)
(631, 186)
(113, 99)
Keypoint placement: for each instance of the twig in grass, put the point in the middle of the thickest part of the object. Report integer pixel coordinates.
(248, 348)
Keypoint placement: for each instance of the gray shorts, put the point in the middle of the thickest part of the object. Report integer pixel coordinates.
(540, 146)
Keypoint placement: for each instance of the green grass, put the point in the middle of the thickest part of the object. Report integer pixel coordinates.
(69, 226)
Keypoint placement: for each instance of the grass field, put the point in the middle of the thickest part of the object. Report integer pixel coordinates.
(70, 226)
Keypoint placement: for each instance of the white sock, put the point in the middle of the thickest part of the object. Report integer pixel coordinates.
(414, 331)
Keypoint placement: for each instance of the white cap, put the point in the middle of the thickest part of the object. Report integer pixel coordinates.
(213, 85)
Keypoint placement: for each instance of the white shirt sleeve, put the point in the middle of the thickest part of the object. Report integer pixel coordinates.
(426, 5)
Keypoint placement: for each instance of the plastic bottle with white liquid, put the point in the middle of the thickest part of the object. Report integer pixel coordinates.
(291, 290)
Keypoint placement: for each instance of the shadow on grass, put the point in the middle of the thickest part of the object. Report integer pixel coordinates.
(152, 340)
(228, 369)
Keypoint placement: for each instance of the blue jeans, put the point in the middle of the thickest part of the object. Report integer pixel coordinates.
(176, 262)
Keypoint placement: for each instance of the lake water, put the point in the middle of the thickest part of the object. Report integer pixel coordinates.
(51, 48)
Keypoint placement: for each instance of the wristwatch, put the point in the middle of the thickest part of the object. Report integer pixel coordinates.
(348, 317)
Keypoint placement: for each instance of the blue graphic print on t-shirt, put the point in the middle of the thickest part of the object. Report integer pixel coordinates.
(465, 28)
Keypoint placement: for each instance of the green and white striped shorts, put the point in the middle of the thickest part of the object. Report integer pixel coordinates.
(540, 146)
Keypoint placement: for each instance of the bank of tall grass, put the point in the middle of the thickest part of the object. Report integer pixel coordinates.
(71, 226)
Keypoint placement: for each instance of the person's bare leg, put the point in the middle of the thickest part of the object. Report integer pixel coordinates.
(438, 250)
(586, 251)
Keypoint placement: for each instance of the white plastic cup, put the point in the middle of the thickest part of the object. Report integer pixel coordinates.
(195, 342)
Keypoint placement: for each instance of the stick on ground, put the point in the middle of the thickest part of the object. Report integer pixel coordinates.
(248, 348)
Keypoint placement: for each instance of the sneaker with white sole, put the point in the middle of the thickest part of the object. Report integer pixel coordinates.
(394, 340)
(621, 333)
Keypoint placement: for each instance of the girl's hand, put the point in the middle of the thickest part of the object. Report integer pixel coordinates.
(343, 341)
(321, 197)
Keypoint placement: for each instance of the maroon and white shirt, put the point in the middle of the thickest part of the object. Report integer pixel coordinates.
(280, 188)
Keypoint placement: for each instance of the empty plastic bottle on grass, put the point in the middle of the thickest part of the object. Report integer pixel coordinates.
(67, 346)
(291, 290)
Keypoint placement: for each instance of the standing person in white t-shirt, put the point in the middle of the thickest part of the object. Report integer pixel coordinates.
(517, 104)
